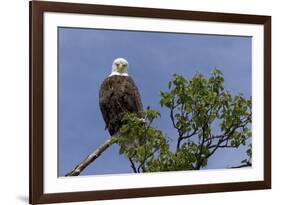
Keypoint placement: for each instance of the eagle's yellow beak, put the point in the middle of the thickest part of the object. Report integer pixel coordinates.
(120, 67)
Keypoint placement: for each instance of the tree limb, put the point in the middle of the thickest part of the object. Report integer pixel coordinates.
(247, 164)
(133, 165)
(146, 158)
(92, 157)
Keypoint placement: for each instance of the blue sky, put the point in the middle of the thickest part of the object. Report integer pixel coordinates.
(85, 59)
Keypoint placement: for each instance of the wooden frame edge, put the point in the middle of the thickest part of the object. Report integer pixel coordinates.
(36, 103)
(150, 192)
(267, 101)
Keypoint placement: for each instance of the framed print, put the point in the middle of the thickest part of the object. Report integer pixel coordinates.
(136, 102)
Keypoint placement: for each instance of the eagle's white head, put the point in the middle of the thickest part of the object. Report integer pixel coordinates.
(120, 67)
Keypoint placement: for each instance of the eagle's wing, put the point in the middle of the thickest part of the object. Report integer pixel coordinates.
(105, 94)
(134, 97)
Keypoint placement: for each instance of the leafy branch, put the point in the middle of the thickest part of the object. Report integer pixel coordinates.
(206, 116)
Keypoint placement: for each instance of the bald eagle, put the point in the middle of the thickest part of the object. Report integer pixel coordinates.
(118, 95)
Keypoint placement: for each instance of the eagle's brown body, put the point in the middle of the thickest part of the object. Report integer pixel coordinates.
(118, 95)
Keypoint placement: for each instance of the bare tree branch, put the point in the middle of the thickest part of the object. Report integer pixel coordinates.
(190, 135)
(92, 157)
(133, 165)
(247, 164)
